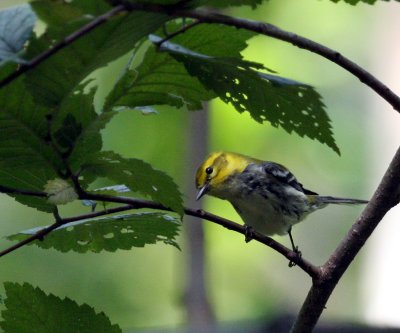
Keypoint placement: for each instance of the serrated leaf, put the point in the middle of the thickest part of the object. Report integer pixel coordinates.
(285, 103)
(120, 232)
(55, 78)
(30, 310)
(138, 176)
(16, 25)
(161, 80)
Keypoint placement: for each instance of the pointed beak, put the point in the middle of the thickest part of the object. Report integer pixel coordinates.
(202, 191)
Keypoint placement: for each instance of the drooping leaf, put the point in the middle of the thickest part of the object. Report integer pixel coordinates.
(16, 25)
(285, 103)
(30, 310)
(58, 76)
(120, 232)
(139, 176)
(161, 80)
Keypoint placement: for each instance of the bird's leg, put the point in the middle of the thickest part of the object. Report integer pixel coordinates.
(248, 233)
(294, 248)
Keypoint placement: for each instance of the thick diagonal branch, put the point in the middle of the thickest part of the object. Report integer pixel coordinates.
(386, 196)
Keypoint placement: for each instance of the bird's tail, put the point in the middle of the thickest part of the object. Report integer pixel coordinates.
(340, 201)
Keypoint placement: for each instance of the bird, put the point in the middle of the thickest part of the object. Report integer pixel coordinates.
(265, 194)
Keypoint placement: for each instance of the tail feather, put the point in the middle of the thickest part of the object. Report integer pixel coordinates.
(339, 201)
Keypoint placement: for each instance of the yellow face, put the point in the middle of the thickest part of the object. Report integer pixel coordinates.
(217, 168)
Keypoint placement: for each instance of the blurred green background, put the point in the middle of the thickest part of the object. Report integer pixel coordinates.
(144, 287)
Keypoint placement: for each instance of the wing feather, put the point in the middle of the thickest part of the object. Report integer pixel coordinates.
(285, 176)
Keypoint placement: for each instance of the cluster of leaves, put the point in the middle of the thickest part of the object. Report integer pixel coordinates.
(50, 130)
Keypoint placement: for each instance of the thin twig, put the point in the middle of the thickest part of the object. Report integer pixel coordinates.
(9, 190)
(62, 44)
(205, 16)
(177, 32)
(59, 222)
(208, 17)
(309, 268)
(273, 31)
(134, 203)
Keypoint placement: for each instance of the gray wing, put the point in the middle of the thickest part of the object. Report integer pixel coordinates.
(285, 176)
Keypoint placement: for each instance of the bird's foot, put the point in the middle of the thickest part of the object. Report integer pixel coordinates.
(248, 233)
(297, 255)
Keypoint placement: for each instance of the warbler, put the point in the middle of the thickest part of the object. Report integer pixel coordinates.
(266, 195)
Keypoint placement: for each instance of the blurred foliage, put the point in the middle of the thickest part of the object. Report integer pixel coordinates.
(89, 73)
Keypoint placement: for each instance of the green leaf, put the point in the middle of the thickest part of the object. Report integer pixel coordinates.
(27, 159)
(161, 80)
(138, 176)
(66, 136)
(55, 78)
(16, 25)
(30, 310)
(120, 232)
(76, 127)
(285, 103)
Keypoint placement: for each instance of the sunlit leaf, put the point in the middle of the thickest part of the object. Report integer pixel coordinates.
(161, 80)
(294, 106)
(30, 310)
(120, 232)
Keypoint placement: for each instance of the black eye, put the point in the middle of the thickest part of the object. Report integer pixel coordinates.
(209, 170)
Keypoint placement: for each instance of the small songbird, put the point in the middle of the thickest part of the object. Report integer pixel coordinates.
(266, 195)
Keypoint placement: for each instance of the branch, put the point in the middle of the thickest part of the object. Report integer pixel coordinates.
(273, 31)
(9, 190)
(208, 17)
(177, 32)
(386, 196)
(302, 42)
(59, 222)
(60, 45)
(309, 268)
(134, 203)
